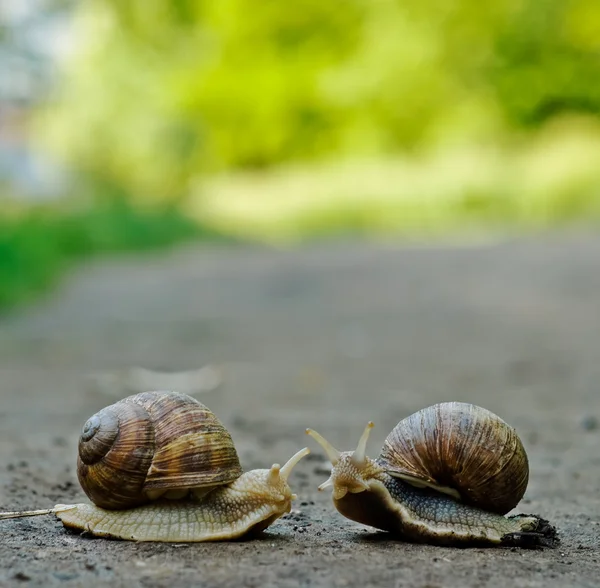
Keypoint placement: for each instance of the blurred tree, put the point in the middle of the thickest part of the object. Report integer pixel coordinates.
(160, 92)
(547, 60)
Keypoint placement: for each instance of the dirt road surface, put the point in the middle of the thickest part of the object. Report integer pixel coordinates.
(328, 337)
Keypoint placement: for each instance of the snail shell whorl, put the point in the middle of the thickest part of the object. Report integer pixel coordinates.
(153, 441)
(115, 452)
(461, 446)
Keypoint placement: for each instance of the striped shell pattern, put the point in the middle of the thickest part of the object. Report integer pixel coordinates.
(463, 448)
(150, 443)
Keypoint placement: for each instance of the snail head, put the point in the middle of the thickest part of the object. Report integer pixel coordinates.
(271, 485)
(351, 470)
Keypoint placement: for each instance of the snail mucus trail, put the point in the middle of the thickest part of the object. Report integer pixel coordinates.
(446, 475)
(160, 466)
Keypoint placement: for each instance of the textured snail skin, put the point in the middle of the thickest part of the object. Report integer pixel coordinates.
(424, 516)
(249, 504)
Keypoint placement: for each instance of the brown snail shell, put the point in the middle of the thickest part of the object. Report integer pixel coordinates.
(460, 447)
(150, 443)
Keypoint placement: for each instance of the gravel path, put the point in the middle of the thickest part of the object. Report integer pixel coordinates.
(329, 337)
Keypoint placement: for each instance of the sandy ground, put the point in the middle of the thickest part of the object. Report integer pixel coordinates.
(327, 337)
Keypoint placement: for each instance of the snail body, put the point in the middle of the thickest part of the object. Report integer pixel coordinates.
(446, 475)
(245, 506)
(160, 466)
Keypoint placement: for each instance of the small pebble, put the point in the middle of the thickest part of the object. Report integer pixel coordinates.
(65, 576)
(321, 471)
(589, 423)
(314, 457)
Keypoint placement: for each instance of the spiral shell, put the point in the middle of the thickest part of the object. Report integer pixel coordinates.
(463, 447)
(153, 442)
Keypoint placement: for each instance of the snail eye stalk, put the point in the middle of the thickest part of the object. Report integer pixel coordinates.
(332, 453)
(360, 454)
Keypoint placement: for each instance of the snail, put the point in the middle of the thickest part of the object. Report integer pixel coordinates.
(446, 475)
(160, 466)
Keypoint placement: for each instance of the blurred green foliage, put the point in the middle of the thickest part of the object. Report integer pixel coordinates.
(37, 245)
(159, 97)
(160, 92)
(547, 61)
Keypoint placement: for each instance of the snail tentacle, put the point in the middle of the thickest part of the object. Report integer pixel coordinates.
(291, 463)
(332, 453)
(360, 453)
